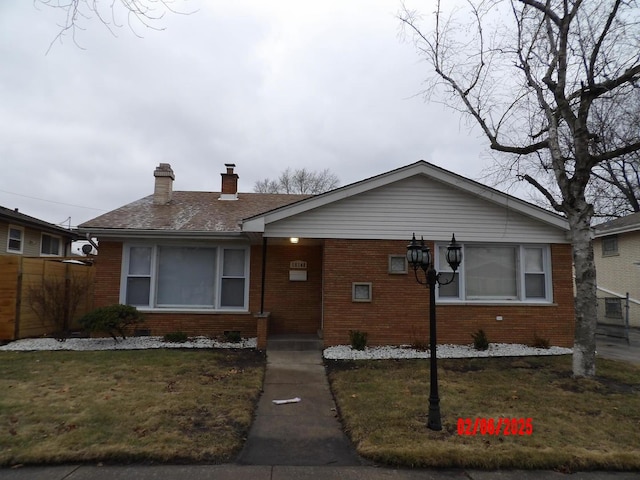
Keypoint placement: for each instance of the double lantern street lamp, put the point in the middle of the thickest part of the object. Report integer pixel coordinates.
(419, 257)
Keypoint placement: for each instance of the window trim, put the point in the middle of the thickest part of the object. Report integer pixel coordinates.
(354, 285)
(521, 298)
(153, 275)
(613, 252)
(21, 230)
(42, 254)
(618, 314)
(398, 272)
(221, 276)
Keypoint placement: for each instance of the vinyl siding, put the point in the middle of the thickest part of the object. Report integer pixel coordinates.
(620, 273)
(32, 241)
(421, 205)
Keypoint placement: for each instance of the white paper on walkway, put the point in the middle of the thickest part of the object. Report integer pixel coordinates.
(288, 400)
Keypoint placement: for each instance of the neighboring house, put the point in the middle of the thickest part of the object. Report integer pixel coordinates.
(616, 248)
(23, 235)
(205, 263)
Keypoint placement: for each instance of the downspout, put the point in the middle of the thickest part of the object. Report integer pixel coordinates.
(264, 273)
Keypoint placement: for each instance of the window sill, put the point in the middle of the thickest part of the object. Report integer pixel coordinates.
(200, 311)
(495, 303)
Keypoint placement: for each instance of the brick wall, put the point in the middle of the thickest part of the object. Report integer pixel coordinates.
(398, 312)
(108, 265)
(295, 307)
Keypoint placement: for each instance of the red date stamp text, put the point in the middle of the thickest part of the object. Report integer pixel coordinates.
(495, 426)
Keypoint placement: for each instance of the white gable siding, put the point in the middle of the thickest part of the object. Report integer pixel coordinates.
(416, 204)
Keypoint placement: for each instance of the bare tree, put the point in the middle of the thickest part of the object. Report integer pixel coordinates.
(615, 184)
(537, 76)
(113, 14)
(615, 188)
(55, 300)
(300, 181)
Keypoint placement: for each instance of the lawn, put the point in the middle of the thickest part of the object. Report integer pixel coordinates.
(576, 424)
(126, 406)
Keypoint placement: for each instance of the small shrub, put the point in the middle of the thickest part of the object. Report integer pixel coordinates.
(540, 342)
(420, 345)
(358, 339)
(232, 336)
(480, 340)
(113, 319)
(175, 337)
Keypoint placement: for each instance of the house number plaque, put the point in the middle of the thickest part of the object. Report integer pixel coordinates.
(298, 271)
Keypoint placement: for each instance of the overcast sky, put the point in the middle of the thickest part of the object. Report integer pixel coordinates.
(264, 85)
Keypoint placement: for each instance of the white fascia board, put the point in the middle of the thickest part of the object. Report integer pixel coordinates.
(615, 231)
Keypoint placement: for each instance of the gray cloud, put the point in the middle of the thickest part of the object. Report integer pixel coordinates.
(261, 85)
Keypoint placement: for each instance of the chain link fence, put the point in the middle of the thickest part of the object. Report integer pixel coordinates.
(617, 313)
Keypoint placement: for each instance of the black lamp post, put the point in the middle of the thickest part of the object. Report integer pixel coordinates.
(419, 257)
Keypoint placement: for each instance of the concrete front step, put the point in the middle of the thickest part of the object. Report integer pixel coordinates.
(294, 343)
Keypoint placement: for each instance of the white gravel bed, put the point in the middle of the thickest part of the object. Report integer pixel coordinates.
(130, 343)
(339, 352)
(345, 352)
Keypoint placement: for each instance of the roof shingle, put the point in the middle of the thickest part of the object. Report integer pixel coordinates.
(191, 212)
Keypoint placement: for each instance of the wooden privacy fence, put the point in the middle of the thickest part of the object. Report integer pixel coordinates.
(42, 296)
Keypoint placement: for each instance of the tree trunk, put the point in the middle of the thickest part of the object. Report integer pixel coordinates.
(584, 348)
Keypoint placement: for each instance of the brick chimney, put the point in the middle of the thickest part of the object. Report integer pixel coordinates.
(164, 184)
(229, 183)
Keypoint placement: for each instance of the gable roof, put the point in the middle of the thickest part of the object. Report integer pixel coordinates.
(15, 217)
(188, 213)
(258, 222)
(630, 223)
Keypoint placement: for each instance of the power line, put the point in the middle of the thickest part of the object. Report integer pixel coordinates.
(52, 201)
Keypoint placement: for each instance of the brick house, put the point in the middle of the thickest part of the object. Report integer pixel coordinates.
(205, 263)
(616, 248)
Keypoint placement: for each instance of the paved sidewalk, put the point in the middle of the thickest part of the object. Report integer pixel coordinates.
(304, 433)
(617, 348)
(237, 472)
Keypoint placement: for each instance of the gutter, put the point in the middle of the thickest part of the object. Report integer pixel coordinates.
(615, 231)
(142, 233)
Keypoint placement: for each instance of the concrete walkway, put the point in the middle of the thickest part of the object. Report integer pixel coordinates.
(303, 433)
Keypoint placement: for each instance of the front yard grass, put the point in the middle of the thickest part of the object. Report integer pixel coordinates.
(578, 424)
(126, 406)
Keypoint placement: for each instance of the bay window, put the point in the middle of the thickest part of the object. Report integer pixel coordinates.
(185, 277)
(498, 273)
